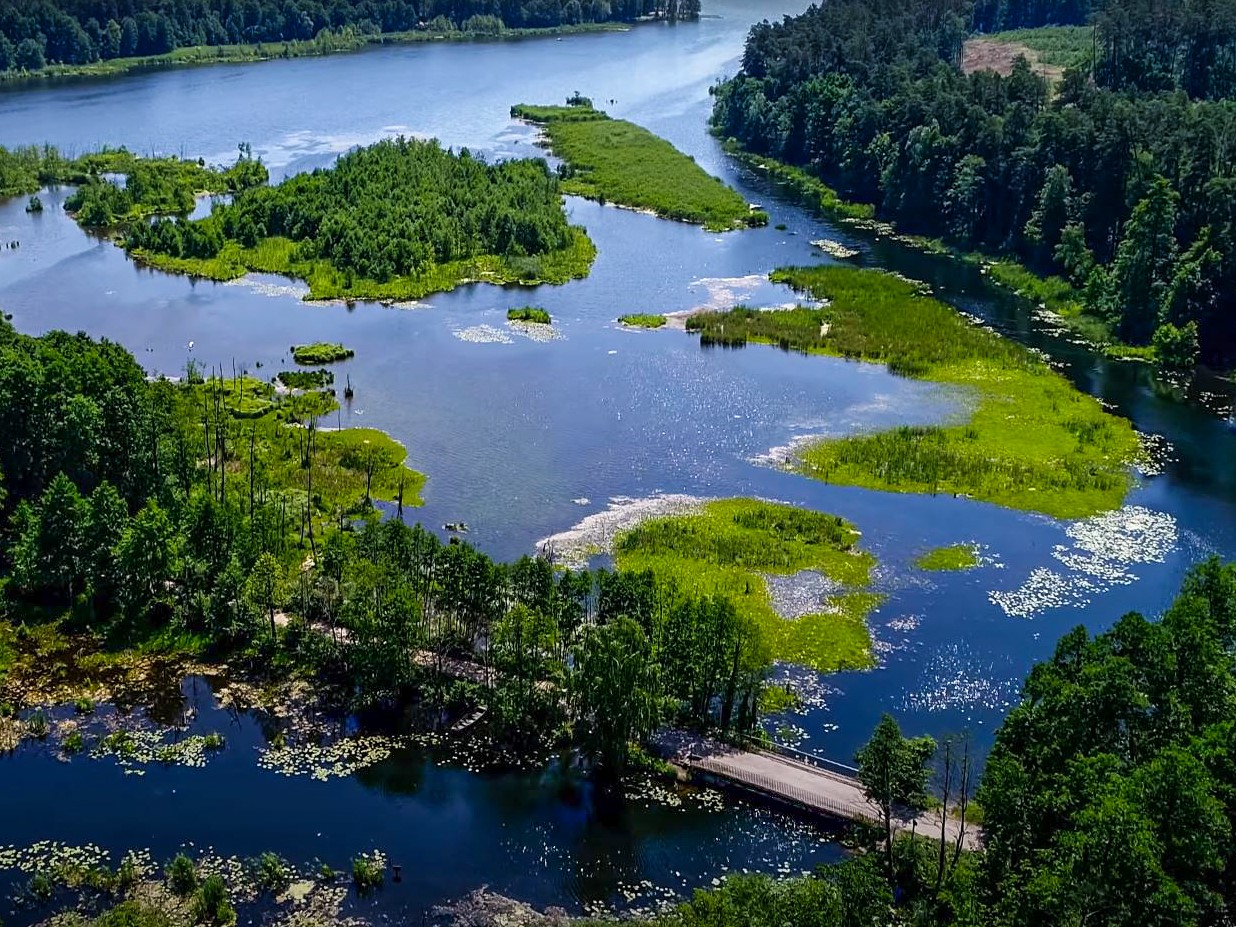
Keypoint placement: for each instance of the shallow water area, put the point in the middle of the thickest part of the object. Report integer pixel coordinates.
(523, 438)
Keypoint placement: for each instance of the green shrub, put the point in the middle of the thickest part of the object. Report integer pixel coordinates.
(271, 873)
(73, 742)
(529, 314)
(320, 353)
(181, 875)
(368, 871)
(211, 904)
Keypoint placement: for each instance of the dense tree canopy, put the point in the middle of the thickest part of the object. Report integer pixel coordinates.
(391, 210)
(35, 33)
(1123, 186)
(132, 508)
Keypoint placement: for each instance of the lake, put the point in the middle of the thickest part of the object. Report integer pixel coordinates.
(524, 438)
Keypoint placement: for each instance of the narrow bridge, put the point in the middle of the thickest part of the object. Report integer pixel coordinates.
(801, 780)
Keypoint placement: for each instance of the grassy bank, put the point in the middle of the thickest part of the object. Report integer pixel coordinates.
(728, 549)
(328, 43)
(611, 160)
(276, 256)
(955, 557)
(1052, 293)
(1031, 442)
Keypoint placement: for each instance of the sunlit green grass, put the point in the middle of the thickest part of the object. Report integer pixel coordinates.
(612, 160)
(321, 352)
(728, 548)
(643, 320)
(1031, 441)
(955, 557)
(1062, 46)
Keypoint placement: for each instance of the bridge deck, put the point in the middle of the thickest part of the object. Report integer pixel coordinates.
(808, 786)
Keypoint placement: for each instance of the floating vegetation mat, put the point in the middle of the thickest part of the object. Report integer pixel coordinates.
(264, 286)
(331, 761)
(137, 748)
(1099, 556)
(649, 792)
(1157, 453)
(535, 331)
(483, 334)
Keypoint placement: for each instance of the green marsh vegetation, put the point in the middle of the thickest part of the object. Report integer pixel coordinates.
(306, 379)
(398, 220)
(954, 557)
(321, 352)
(727, 550)
(533, 314)
(615, 161)
(1031, 441)
(643, 320)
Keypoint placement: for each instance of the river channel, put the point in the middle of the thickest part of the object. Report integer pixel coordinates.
(524, 438)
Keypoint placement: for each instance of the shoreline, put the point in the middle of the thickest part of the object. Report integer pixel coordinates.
(248, 53)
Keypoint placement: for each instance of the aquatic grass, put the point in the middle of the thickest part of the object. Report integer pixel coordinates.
(1031, 441)
(729, 547)
(368, 871)
(643, 320)
(320, 352)
(306, 379)
(954, 557)
(806, 186)
(612, 160)
(533, 314)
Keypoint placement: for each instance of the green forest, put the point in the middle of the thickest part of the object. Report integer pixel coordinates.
(36, 34)
(399, 219)
(1115, 181)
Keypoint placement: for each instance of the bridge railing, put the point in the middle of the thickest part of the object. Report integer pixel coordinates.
(804, 797)
(810, 759)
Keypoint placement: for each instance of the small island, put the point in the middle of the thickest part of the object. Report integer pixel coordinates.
(534, 314)
(615, 161)
(395, 221)
(642, 320)
(954, 558)
(321, 352)
(737, 548)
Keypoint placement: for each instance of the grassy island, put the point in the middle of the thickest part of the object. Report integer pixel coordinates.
(955, 557)
(612, 160)
(643, 320)
(732, 545)
(321, 352)
(533, 314)
(1032, 441)
(398, 220)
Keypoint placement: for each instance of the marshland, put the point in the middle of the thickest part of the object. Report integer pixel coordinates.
(643, 446)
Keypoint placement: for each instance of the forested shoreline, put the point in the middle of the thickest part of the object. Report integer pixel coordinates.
(44, 34)
(1117, 182)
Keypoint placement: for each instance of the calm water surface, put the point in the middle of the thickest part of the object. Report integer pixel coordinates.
(522, 439)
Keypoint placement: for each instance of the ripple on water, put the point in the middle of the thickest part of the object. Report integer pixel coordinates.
(1101, 551)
